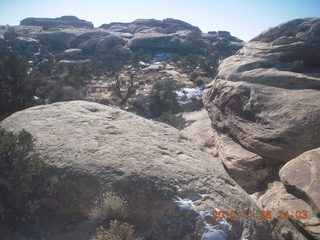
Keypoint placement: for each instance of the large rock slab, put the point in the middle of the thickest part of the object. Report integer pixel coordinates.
(110, 164)
(199, 129)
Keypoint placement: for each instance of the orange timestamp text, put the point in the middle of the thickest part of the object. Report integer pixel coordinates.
(263, 214)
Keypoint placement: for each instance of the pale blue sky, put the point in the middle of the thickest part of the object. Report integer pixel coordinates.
(243, 18)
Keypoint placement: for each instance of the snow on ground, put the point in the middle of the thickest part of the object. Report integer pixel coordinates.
(209, 233)
(185, 204)
(186, 95)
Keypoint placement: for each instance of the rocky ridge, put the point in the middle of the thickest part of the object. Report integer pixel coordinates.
(154, 35)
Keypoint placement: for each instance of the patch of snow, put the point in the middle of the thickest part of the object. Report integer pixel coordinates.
(153, 67)
(203, 195)
(27, 39)
(178, 189)
(72, 51)
(214, 234)
(66, 61)
(143, 64)
(29, 71)
(63, 61)
(185, 204)
(186, 95)
(195, 197)
(209, 233)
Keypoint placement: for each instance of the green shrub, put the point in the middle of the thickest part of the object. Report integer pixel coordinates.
(163, 97)
(20, 167)
(176, 121)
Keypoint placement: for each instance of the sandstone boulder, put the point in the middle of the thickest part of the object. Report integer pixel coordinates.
(265, 109)
(259, 101)
(107, 163)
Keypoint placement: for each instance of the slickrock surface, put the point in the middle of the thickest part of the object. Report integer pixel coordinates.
(107, 163)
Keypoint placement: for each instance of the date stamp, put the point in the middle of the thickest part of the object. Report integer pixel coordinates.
(263, 214)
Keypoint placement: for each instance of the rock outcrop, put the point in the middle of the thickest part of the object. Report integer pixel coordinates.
(154, 36)
(156, 42)
(167, 26)
(62, 22)
(265, 109)
(107, 163)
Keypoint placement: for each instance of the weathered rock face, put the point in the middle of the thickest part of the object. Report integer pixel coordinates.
(265, 109)
(263, 105)
(301, 178)
(62, 22)
(303, 36)
(107, 163)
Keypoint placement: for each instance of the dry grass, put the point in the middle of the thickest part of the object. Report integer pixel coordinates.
(117, 231)
(109, 206)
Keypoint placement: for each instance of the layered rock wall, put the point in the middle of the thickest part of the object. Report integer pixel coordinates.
(265, 109)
